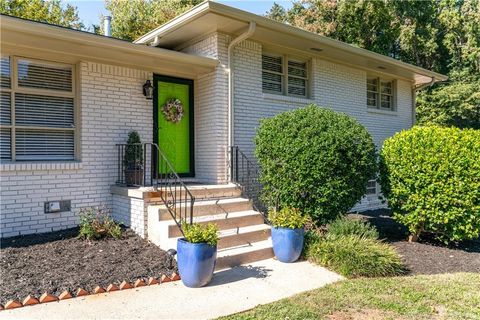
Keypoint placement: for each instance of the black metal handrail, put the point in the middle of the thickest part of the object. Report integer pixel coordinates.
(134, 159)
(246, 173)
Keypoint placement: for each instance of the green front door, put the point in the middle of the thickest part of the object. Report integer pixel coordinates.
(175, 135)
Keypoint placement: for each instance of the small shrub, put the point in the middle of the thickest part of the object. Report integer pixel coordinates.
(133, 152)
(96, 223)
(431, 178)
(287, 218)
(314, 159)
(197, 233)
(354, 256)
(345, 226)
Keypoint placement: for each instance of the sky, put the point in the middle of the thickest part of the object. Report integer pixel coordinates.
(90, 10)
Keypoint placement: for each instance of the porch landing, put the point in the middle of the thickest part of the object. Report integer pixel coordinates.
(233, 290)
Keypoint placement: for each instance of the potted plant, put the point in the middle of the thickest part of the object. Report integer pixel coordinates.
(133, 160)
(197, 254)
(287, 233)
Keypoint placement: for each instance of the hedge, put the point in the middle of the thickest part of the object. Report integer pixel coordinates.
(431, 178)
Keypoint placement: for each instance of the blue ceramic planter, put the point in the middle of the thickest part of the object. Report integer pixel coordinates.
(287, 243)
(196, 262)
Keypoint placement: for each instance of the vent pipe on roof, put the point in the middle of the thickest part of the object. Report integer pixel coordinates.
(107, 28)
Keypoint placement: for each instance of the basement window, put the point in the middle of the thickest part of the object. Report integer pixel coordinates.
(380, 94)
(37, 109)
(371, 187)
(284, 75)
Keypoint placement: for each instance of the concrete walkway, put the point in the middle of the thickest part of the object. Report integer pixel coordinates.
(231, 291)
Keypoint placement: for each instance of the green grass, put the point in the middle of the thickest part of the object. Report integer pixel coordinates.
(446, 296)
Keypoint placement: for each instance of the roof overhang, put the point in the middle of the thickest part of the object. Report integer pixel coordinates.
(210, 17)
(41, 40)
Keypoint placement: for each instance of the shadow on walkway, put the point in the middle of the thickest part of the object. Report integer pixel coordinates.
(237, 274)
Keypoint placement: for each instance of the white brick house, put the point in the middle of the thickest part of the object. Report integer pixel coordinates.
(65, 151)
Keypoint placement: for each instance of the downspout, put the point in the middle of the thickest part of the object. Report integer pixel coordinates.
(414, 98)
(247, 34)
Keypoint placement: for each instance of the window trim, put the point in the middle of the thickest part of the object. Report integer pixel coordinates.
(285, 75)
(372, 188)
(15, 88)
(378, 99)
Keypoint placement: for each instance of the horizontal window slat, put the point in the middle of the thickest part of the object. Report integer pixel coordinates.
(32, 74)
(5, 73)
(44, 111)
(5, 108)
(5, 144)
(44, 144)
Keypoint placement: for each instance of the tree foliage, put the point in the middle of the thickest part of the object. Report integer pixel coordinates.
(53, 12)
(134, 18)
(440, 35)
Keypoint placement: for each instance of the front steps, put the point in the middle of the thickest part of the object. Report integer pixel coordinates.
(243, 238)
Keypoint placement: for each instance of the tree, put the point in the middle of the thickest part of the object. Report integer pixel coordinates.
(277, 12)
(456, 104)
(132, 19)
(440, 35)
(53, 12)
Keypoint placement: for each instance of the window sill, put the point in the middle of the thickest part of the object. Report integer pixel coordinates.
(277, 97)
(37, 166)
(385, 112)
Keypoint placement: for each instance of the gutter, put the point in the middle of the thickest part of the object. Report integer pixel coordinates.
(247, 34)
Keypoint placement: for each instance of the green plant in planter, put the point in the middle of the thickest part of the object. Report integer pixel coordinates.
(287, 218)
(133, 159)
(197, 233)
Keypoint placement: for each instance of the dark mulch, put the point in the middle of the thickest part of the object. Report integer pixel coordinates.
(59, 261)
(426, 256)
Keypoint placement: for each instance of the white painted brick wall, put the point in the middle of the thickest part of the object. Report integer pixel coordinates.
(132, 212)
(334, 86)
(211, 111)
(112, 104)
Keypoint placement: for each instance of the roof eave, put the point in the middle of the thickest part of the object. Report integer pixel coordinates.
(234, 13)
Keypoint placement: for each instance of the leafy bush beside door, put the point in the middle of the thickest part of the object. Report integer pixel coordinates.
(316, 160)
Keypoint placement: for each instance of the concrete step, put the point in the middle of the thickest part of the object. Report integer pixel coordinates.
(230, 257)
(199, 191)
(209, 207)
(224, 221)
(243, 236)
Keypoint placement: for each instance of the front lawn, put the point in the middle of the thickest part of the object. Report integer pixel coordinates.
(443, 296)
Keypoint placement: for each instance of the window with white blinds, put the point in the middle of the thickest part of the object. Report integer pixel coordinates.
(284, 75)
(37, 110)
(380, 94)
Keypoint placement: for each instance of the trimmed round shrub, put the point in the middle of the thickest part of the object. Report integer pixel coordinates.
(431, 178)
(316, 160)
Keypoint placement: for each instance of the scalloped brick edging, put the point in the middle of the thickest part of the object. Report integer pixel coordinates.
(46, 297)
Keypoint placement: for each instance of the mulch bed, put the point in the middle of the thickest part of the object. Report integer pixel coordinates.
(426, 256)
(59, 261)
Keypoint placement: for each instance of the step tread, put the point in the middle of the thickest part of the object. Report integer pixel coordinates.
(220, 216)
(243, 230)
(209, 202)
(254, 246)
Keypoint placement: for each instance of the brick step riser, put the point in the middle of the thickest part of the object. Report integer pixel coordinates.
(205, 210)
(224, 224)
(243, 239)
(248, 257)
